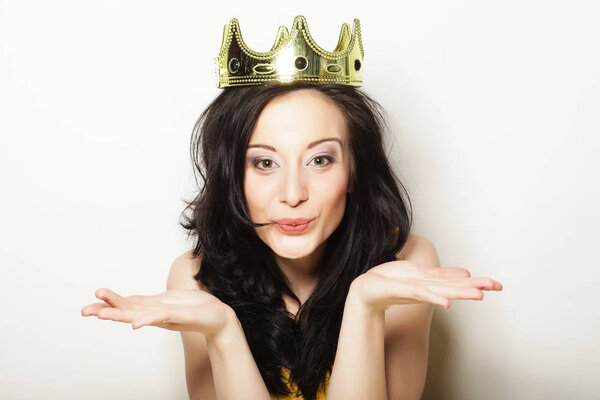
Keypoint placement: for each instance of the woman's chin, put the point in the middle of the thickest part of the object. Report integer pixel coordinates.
(291, 246)
(292, 254)
(294, 249)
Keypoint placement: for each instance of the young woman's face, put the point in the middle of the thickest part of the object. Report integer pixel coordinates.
(297, 168)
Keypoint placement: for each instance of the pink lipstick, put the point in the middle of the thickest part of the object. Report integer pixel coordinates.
(293, 226)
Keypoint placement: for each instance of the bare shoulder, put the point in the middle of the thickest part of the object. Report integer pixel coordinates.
(420, 250)
(198, 371)
(183, 269)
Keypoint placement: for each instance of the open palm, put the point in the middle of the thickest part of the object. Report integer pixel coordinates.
(177, 310)
(404, 282)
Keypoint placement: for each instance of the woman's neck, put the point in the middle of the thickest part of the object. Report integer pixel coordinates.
(302, 273)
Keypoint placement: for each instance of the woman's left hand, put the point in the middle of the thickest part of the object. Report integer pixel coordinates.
(404, 282)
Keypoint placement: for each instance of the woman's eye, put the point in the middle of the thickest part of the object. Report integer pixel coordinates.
(264, 163)
(321, 161)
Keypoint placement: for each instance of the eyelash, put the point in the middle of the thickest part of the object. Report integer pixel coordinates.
(257, 161)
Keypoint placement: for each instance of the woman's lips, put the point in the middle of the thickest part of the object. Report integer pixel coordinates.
(293, 226)
(293, 221)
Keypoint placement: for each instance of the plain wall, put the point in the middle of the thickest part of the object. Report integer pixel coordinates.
(494, 113)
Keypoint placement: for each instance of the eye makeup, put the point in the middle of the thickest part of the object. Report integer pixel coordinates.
(258, 157)
(266, 163)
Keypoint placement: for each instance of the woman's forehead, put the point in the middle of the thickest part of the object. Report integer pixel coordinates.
(300, 117)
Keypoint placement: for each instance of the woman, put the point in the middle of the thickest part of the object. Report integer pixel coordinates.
(284, 287)
(304, 278)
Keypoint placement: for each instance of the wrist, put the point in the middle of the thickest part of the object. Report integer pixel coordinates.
(355, 302)
(229, 332)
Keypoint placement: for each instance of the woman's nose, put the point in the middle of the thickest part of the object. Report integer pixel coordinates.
(293, 189)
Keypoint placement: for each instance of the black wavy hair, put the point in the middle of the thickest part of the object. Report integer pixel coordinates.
(240, 270)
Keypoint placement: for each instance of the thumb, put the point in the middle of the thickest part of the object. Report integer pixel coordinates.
(149, 319)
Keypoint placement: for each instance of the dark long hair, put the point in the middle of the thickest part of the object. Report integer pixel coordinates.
(240, 270)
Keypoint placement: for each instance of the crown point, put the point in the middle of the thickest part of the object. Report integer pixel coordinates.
(299, 22)
(281, 38)
(344, 40)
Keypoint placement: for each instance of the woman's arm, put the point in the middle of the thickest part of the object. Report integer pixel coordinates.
(359, 368)
(221, 367)
(235, 372)
(374, 342)
(376, 345)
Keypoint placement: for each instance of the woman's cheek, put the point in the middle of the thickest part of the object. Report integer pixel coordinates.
(335, 185)
(259, 195)
(251, 192)
(333, 197)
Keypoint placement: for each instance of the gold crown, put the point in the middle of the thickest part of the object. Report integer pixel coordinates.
(294, 57)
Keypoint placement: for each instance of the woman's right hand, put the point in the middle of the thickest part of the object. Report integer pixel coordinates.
(176, 310)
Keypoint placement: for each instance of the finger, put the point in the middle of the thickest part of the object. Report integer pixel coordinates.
(479, 283)
(425, 295)
(116, 314)
(111, 297)
(151, 318)
(455, 292)
(92, 309)
(449, 272)
(486, 284)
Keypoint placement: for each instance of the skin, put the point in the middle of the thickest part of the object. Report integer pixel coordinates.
(287, 177)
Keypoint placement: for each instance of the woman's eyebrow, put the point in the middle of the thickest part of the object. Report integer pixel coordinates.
(311, 145)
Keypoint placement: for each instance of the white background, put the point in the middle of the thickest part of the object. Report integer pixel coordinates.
(495, 114)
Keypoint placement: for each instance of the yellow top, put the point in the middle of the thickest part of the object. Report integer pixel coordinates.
(320, 395)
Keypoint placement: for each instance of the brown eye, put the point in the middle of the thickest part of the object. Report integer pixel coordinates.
(264, 163)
